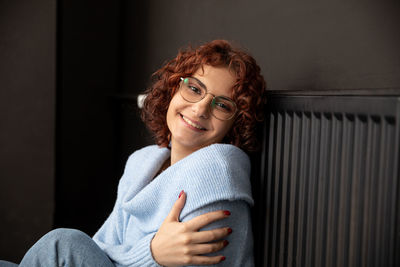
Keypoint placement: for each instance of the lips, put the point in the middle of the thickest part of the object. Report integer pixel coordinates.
(192, 123)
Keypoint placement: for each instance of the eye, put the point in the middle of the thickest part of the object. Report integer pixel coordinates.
(223, 106)
(194, 89)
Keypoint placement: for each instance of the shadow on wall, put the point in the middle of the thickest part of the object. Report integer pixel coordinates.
(27, 122)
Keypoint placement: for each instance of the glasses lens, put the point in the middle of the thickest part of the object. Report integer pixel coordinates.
(223, 108)
(191, 90)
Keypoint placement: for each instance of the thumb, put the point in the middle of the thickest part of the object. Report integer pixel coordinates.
(177, 207)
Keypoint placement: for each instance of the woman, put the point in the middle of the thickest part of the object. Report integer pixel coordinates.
(203, 108)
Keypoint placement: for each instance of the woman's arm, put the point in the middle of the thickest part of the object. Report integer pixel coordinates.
(239, 252)
(177, 244)
(181, 243)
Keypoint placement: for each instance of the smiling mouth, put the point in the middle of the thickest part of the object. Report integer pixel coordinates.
(191, 123)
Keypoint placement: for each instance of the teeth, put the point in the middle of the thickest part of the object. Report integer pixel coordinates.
(192, 123)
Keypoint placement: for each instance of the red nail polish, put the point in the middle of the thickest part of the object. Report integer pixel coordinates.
(223, 258)
(180, 194)
(226, 243)
(229, 230)
(227, 212)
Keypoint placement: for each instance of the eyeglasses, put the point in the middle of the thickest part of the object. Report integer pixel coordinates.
(193, 91)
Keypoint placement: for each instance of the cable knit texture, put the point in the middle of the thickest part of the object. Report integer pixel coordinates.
(215, 177)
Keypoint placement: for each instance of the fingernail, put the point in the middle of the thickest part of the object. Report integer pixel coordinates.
(223, 258)
(180, 194)
(229, 230)
(227, 212)
(226, 243)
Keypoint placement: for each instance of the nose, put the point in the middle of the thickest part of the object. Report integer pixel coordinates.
(202, 108)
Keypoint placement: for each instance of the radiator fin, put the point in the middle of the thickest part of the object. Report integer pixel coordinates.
(331, 189)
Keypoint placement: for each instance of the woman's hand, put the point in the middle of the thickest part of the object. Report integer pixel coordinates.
(181, 243)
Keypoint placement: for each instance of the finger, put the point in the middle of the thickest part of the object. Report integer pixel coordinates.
(205, 260)
(200, 249)
(207, 218)
(210, 235)
(177, 208)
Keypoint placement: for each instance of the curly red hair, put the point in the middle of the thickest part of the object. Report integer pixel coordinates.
(248, 91)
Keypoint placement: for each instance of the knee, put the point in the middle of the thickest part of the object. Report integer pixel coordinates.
(65, 236)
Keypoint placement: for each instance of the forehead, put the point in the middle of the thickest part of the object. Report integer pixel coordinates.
(218, 80)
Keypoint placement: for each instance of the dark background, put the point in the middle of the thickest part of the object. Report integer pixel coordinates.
(69, 69)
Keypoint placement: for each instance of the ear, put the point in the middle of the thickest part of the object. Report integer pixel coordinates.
(169, 139)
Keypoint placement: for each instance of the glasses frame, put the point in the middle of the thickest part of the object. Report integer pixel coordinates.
(212, 103)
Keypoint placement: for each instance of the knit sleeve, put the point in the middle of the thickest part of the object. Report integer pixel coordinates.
(110, 236)
(239, 252)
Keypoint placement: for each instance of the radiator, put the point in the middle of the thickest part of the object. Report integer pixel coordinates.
(328, 184)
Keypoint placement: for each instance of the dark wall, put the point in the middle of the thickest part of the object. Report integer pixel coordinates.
(88, 67)
(299, 44)
(333, 45)
(27, 123)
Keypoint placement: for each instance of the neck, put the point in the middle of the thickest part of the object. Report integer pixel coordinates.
(178, 152)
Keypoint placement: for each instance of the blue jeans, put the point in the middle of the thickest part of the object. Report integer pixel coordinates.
(64, 247)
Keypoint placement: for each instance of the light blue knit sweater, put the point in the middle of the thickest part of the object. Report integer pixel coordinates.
(215, 177)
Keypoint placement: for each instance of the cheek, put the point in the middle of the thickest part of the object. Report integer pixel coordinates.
(174, 107)
(174, 104)
(224, 128)
(169, 117)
